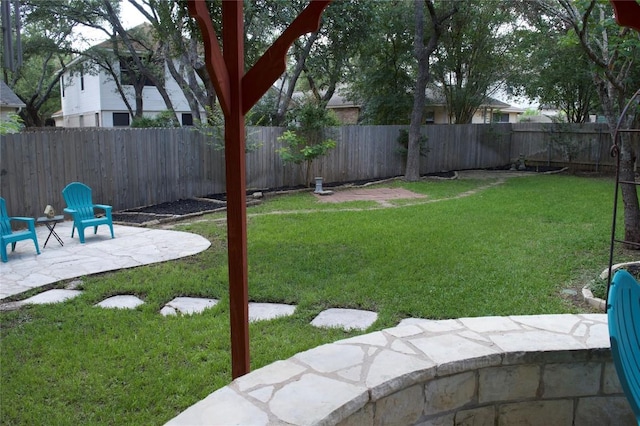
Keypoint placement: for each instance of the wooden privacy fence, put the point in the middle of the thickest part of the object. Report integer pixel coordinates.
(136, 167)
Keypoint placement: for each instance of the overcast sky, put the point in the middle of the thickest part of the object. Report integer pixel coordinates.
(130, 18)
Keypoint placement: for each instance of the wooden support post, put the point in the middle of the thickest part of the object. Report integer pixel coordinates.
(237, 94)
(232, 36)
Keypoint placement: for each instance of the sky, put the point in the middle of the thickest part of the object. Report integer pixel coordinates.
(130, 18)
(130, 15)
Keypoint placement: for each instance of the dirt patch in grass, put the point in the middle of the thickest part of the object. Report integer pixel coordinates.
(380, 195)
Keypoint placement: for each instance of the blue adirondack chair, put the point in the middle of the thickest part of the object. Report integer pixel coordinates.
(8, 236)
(80, 206)
(623, 313)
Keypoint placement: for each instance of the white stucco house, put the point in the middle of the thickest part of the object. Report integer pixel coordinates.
(90, 97)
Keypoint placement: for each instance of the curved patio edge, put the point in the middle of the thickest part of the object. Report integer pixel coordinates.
(131, 247)
(556, 369)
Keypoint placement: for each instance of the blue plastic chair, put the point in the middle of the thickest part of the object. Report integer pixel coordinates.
(8, 236)
(623, 313)
(80, 206)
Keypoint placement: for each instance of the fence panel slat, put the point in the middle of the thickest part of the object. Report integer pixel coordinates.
(129, 168)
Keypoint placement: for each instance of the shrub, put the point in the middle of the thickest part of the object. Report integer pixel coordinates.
(308, 136)
(162, 119)
(13, 124)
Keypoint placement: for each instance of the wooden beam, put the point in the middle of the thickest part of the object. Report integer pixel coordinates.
(627, 13)
(234, 136)
(212, 53)
(272, 64)
(237, 94)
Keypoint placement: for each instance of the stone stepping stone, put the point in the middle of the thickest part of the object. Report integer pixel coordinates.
(52, 296)
(268, 311)
(347, 319)
(123, 301)
(187, 306)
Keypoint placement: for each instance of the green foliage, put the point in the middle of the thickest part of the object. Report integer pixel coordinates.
(383, 72)
(263, 113)
(162, 119)
(297, 151)
(403, 141)
(12, 124)
(562, 141)
(214, 130)
(599, 286)
(307, 137)
(474, 55)
(557, 73)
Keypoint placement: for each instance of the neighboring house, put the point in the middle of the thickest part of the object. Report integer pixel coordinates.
(90, 98)
(436, 112)
(491, 111)
(348, 112)
(10, 103)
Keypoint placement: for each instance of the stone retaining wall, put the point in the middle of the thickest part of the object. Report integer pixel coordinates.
(534, 370)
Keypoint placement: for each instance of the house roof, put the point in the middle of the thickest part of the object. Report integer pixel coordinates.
(339, 101)
(435, 97)
(144, 31)
(8, 99)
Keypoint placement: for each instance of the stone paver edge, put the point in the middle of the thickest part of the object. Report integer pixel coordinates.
(254, 383)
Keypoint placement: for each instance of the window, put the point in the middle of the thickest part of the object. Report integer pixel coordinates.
(187, 119)
(62, 85)
(500, 117)
(81, 121)
(120, 119)
(429, 117)
(97, 119)
(81, 80)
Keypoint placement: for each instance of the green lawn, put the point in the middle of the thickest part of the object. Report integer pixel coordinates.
(502, 250)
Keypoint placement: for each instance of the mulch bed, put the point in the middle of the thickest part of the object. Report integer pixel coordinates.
(173, 210)
(170, 210)
(180, 207)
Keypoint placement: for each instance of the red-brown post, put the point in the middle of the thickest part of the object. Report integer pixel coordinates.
(237, 94)
(233, 36)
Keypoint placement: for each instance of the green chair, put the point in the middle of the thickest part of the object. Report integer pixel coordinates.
(8, 236)
(80, 206)
(623, 314)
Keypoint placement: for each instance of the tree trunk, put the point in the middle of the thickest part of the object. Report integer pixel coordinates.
(629, 192)
(608, 95)
(422, 54)
(412, 172)
(300, 61)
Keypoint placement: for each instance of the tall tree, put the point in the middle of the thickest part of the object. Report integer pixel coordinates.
(613, 51)
(383, 75)
(324, 57)
(558, 73)
(344, 30)
(46, 49)
(473, 57)
(180, 54)
(141, 57)
(423, 54)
